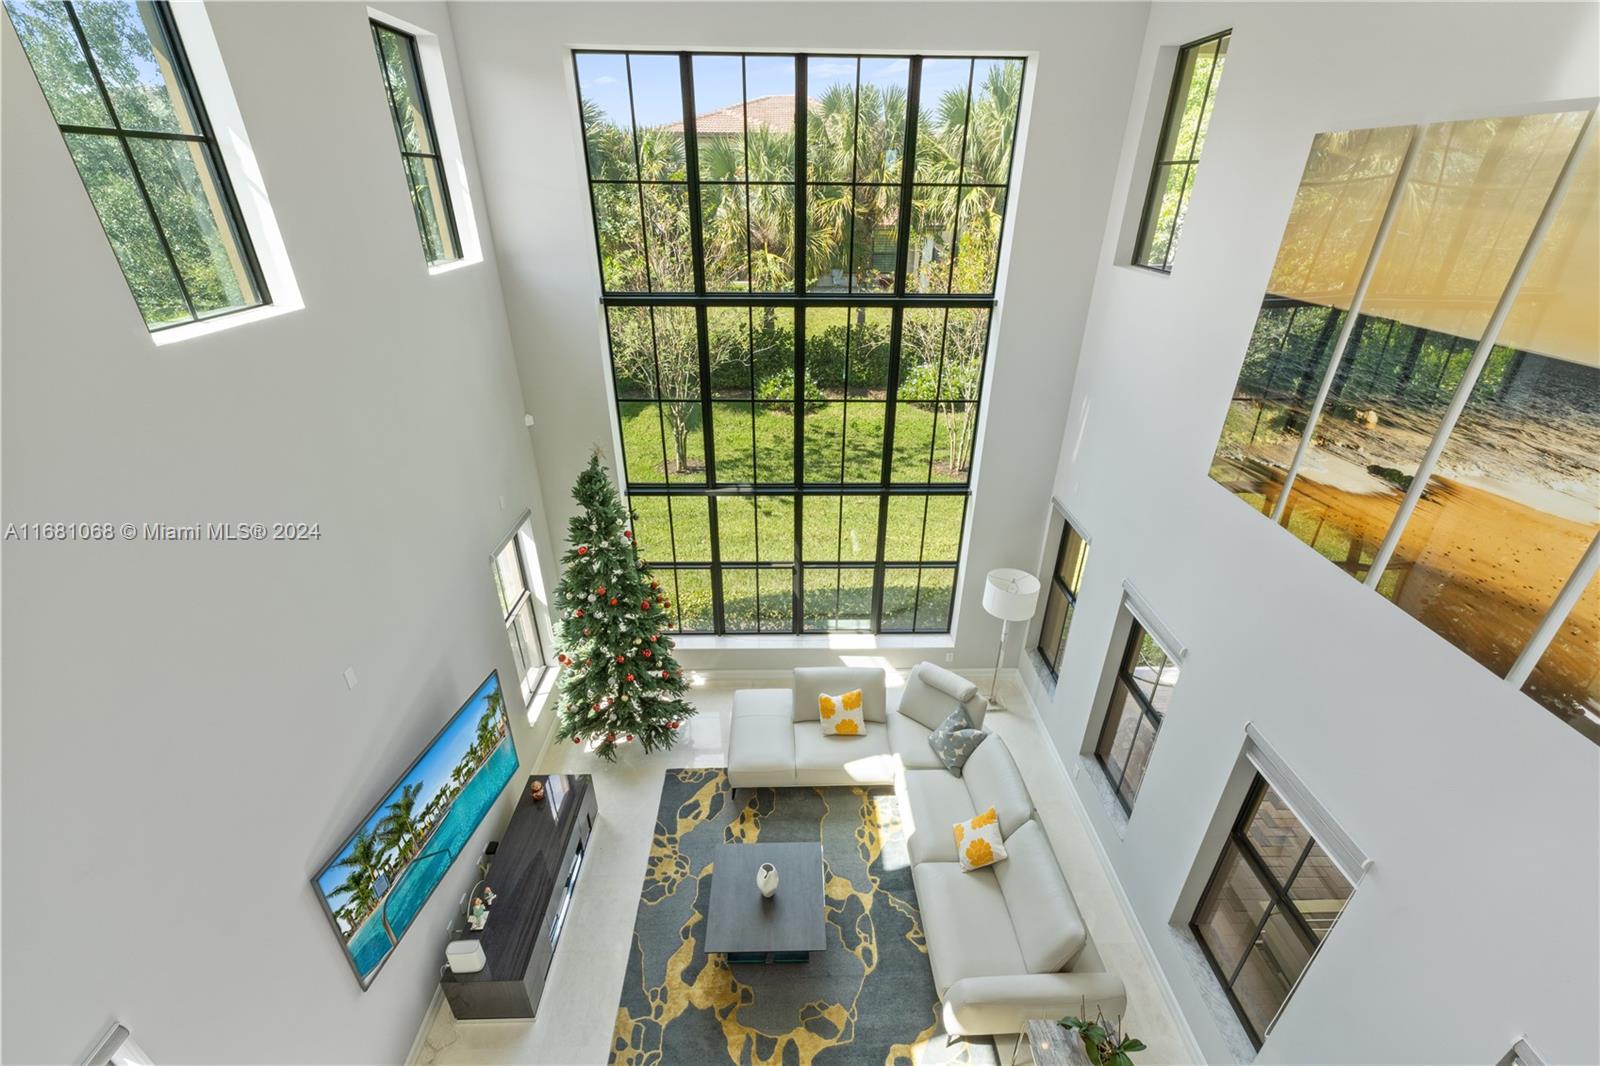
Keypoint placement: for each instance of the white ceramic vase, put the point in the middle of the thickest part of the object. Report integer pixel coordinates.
(767, 879)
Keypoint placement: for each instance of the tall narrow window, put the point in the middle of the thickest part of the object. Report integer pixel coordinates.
(119, 85)
(797, 259)
(512, 581)
(1273, 897)
(1183, 135)
(1061, 597)
(1145, 679)
(419, 144)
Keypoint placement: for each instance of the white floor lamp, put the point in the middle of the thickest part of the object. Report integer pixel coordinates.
(1009, 595)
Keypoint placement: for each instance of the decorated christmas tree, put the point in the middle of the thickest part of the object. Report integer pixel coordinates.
(619, 681)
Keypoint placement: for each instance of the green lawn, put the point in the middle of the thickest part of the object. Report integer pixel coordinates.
(843, 444)
(755, 442)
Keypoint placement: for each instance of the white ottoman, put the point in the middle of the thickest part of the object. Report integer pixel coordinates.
(761, 739)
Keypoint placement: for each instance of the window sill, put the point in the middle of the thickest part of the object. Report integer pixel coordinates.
(206, 327)
(1116, 814)
(541, 693)
(817, 642)
(454, 265)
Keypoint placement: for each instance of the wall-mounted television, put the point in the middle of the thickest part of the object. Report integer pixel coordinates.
(376, 884)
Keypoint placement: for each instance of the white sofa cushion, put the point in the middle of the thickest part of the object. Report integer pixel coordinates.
(932, 692)
(810, 682)
(823, 760)
(993, 780)
(1044, 916)
(761, 739)
(908, 739)
(938, 800)
(964, 918)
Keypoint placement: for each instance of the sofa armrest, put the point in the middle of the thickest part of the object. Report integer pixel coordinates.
(983, 1006)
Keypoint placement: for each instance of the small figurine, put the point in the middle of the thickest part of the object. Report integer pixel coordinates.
(477, 914)
(536, 790)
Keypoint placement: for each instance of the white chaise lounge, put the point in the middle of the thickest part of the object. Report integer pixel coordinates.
(1006, 943)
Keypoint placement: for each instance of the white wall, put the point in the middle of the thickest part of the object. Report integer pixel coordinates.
(1478, 922)
(180, 750)
(518, 68)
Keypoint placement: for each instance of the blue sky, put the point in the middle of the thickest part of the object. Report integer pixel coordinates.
(658, 99)
(432, 769)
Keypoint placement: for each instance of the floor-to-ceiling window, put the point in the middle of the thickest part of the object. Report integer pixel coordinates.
(798, 324)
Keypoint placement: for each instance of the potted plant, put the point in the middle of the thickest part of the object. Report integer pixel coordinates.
(1103, 1041)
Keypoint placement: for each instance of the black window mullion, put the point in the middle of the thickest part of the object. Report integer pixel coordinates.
(802, 132)
(961, 189)
(908, 161)
(799, 451)
(638, 186)
(127, 154)
(691, 162)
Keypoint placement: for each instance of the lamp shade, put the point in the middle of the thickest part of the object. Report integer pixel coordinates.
(1010, 594)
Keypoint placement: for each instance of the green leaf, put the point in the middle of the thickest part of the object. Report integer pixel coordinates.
(1133, 1043)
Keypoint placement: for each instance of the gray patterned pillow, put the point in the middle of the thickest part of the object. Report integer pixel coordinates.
(955, 740)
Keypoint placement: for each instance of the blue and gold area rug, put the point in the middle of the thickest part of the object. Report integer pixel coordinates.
(867, 998)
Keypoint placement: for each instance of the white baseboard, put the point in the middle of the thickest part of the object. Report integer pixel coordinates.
(427, 1025)
(1167, 993)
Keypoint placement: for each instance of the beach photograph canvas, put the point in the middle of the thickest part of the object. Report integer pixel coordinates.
(380, 878)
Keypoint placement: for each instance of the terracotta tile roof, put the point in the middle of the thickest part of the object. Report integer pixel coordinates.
(776, 113)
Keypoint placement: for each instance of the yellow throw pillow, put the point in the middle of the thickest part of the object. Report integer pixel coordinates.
(841, 715)
(978, 841)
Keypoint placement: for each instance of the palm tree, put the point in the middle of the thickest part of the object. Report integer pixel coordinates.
(365, 856)
(398, 828)
(489, 731)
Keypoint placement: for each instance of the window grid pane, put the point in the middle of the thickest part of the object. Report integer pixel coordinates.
(1146, 675)
(1061, 597)
(1264, 913)
(762, 355)
(1183, 132)
(412, 116)
(118, 82)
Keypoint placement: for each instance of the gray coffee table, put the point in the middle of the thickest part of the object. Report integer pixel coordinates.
(748, 927)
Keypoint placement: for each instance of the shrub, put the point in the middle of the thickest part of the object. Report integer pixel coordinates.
(780, 387)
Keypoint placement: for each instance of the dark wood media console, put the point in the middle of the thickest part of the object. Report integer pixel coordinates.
(534, 873)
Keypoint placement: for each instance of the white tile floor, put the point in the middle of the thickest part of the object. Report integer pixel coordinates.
(580, 999)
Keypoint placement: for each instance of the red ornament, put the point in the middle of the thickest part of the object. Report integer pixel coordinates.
(630, 677)
(588, 662)
(628, 533)
(583, 551)
(611, 738)
(647, 653)
(655, 585)
(630, 738)
(577, 740)
(672, 725)
(601, 591)
(666, 674)
(586, 631)
(666, 603)
(645, 605)
(578, 613)
(652, 638)
(613, 601)
(619, 658)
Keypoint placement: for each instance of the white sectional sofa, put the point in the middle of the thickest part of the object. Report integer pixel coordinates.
(1006, 943)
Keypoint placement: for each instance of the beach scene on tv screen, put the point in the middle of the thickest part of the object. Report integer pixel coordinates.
(379, 880)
